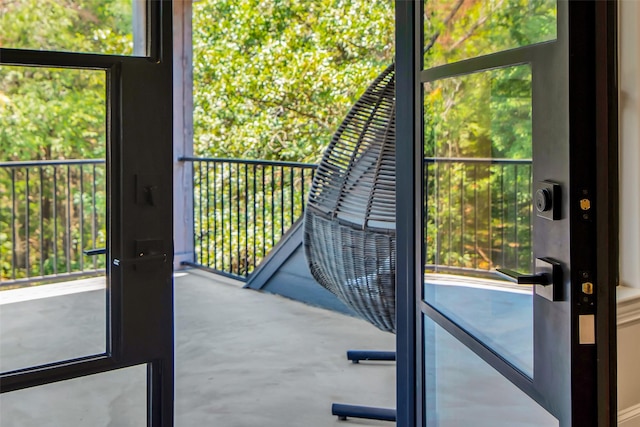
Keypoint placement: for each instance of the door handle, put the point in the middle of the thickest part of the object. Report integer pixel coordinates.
(94, 252)
(547, 278)
(524, 279)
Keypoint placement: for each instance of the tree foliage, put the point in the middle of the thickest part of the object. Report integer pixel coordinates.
(274, 78)
(479, 212)
(50, 215)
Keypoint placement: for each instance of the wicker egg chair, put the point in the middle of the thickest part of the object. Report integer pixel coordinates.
(350, 221)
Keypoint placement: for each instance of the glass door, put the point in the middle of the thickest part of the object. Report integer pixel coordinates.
(511, 309)
(86, 292)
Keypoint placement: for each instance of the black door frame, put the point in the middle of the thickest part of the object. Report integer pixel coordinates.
(590, 377)
(139, 155)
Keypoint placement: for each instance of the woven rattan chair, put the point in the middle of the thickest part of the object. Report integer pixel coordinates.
(350, 221)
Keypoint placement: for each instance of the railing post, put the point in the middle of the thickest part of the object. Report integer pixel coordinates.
(183, 224)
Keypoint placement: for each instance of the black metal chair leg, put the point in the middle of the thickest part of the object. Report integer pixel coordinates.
(356, 411)
(344, 411)
(357, 355)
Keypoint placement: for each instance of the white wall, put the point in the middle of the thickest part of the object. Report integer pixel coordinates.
(629, 41)
(629, 293)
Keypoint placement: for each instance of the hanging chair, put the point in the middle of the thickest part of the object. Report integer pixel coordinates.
(349, 224)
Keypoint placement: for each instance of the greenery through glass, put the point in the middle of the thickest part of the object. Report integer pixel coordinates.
(478, 170)
(460, 29)
(94, 26)
(52, 209)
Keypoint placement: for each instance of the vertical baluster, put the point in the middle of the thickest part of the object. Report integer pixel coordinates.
(291, 193)
(281, 201)
(450, 222)
(436, 209)
(41, 240)
(222, 217)
(68, 220)
(463, 171)
(94, 215)
(215, 215)
(238, 213)
(425, 212)
(230, 183)
(502, 210)
(516, 206)
(272, 206)
(14, 234)
(246, 220)
(303, 197)
(489, 214)
(81, 183)
(200, 225)
(26, 224)
(55, 220)
(208, 215)
(529, 217)
(255, 220)
(264, 214)
(475, 215)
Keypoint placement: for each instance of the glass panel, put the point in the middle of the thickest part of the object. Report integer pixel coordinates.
(460, 29)
(52, 215)
(92, 26)
(115, 398)
(478, 212)
(476, 395)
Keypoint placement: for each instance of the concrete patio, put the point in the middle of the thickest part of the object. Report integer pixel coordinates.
(243, 358)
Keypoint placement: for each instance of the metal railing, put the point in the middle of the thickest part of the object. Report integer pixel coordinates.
(242, 208)
(51, 212)
(478, 214)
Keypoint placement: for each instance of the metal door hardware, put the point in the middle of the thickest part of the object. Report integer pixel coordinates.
(147, 250)
(142, 258)
(547, 278)
(148, 190)
(94, 252)
(548, 200)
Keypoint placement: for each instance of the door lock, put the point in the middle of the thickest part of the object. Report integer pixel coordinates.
(548, 200)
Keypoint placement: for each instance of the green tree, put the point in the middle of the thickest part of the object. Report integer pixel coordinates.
(53, 114)
(273, 79)
(478, 212)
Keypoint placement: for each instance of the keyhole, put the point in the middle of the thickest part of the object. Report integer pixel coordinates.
(543, 200)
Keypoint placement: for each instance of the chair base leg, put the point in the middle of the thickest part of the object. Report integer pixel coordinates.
(344, 411)
(357, 355)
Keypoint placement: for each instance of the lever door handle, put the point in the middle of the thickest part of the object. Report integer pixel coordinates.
(548, 278)
(524, 279)
(94, 252)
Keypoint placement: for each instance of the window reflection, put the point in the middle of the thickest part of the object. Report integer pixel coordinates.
(478, 212)
(460, 29)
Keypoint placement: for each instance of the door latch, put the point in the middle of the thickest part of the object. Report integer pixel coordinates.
(547, 278)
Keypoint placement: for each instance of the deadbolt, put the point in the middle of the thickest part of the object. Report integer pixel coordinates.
(548, 200)
(543, 200)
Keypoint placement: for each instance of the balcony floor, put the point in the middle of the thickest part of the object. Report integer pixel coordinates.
(243, 359)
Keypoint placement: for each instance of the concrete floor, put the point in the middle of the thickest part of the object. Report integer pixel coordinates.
(243, 359)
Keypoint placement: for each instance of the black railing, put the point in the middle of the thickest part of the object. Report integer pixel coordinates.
(242, 208)
(51, 212)
(52, 215)
(478, 214)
